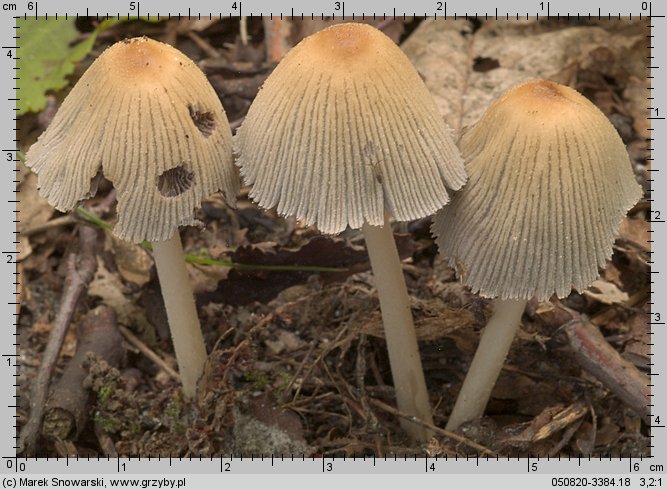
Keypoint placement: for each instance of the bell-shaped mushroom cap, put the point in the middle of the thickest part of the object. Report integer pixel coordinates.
(343, 128)
(146, 116)
(549, 183)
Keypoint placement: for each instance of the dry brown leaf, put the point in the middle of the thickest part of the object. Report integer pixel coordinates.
(33, 209)
(133, 262)
(108, 286)
(637, 231)
(606, 292)
(635, 93)
(445, 53)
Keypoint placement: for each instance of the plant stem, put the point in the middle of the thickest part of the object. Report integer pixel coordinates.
(181, 312)
(406, 366)
(487, 363)
(196, 259)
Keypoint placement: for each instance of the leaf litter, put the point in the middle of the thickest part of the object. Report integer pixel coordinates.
(298, 362)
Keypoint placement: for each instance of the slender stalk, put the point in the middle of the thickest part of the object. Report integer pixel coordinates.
(406, 366)
(487, 363)
(181, 312)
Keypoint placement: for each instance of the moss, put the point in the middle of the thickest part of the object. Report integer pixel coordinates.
(108, 424)
(174, 415)
(105, 391)
(258, 379)
(283, 379)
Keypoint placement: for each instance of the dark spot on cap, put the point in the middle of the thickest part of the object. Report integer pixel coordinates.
(175, 181)
(204, 121)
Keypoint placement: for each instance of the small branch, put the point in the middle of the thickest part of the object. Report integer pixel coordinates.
(276, 37)
(204, 45)
(600, 359)
(196, 259)
(80, 271)
(67, 412)
(106, 444)
(145, 350)
(54, 223)
(431, 427)
(243, 30)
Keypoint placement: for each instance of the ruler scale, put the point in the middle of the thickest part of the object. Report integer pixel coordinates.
(643, 472)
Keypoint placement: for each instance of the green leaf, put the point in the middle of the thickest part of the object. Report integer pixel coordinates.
(47, 56)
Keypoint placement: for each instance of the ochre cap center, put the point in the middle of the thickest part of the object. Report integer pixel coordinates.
(141, 59)
(542, 99)
(344, 42)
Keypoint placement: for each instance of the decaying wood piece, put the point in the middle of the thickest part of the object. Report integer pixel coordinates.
(601, 360)
(66, 412)
(80, 271)
(276, 35)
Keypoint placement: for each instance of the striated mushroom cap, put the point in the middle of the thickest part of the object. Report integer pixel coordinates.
(549, 183)
(145, 116)
(343, 128)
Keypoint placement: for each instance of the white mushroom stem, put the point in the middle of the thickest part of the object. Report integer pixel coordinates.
(406, 366)
(181, 312)
(487, 363)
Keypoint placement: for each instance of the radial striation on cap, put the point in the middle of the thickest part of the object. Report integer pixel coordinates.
(342, 129)
(146, 117)
(549, 183)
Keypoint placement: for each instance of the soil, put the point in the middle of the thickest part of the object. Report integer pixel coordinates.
(298, 362)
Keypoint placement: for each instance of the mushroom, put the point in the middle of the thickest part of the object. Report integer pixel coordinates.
(549, 183)
(341, 132)
(146, 117)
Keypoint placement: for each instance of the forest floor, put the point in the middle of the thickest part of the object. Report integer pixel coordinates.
(298, 362)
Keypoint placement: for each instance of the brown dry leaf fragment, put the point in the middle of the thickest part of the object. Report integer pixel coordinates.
(606, 292)
(636, 231)
(428, 47)
(612, 274)
(23, 248)
(608, 433)
(244, 286)
(133, 262)
(635, 93)
(637, 349)
(462, 93)
(108, 286)
(33, 209)
(584, 442)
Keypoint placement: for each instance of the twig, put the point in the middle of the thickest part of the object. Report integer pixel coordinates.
(196, 259)
(203, 45)
(451, 435)
(276, 37)
(145, 350)
(601, 360)
(80, 271)
(243, 30)
(106, 444)
(297, 373)
(67, 412)
(54, 223)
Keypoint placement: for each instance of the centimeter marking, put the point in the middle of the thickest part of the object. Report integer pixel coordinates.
(322, 464)
(339, 10)
(17, 464)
